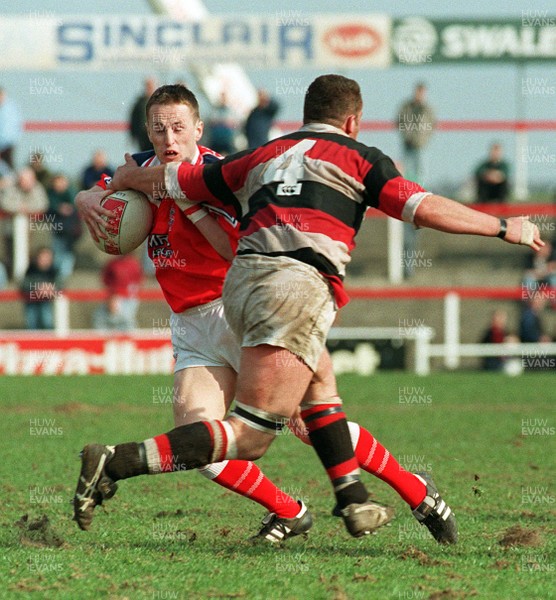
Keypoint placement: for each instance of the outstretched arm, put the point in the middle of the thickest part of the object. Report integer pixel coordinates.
(150, 181)
(450, 216)
(162, 180)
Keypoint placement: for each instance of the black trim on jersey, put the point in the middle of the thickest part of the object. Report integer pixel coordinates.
(383, 170)
(212, 176)
(318, 196)
(382, 167)
(304, 255)
(209, 159)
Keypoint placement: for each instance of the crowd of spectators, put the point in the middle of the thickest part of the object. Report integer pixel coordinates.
(47, 198)
(226, 132)
(538, 286)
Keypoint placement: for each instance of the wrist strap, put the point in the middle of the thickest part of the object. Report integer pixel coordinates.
(503, 229)
(196, 215)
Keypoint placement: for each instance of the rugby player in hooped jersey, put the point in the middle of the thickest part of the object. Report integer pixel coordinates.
(323, 179)
(371, 455)
(186, 284)
(191, 272)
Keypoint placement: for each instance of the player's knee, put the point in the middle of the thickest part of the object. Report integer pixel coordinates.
(251, 444)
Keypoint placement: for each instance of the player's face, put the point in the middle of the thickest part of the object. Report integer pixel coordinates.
(174, 132)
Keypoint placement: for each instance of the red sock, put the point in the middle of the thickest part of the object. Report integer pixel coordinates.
(370, 455)
(245, 478)
(374, 458)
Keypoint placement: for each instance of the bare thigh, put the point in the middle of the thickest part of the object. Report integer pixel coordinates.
(270, 379)
(202, 393)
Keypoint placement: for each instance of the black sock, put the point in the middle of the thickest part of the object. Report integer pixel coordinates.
(128, 461)
(191, 445)
(332, 442)
(184, 448)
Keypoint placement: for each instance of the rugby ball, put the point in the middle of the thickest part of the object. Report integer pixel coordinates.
(130, 226)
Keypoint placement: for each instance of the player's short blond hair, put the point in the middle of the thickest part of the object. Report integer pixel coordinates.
(176, 93)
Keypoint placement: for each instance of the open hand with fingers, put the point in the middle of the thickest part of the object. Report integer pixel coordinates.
(94, 215)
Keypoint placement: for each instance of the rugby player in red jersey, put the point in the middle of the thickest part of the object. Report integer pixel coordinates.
(191, 272)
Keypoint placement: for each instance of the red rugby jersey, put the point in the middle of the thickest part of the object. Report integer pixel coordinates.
(188, 269)
(303, 195)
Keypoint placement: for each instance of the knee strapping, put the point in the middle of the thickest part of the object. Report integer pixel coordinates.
(258, 419)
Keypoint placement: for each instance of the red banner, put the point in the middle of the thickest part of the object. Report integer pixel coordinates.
(82, 354)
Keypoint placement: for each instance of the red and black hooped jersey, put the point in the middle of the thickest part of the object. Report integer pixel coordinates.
(304, 195)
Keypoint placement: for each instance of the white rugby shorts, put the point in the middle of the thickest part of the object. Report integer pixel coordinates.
(201, 337)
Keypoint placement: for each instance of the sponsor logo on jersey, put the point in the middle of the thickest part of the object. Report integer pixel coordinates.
(284, 189)
(158, 240)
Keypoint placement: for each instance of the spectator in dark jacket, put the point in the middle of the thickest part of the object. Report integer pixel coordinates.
(39, 288)
(37, 163)
(260, 119)
(492, 177)
(531, 329)
(496, 333)
(99, 166)
(66, 224)
(138, 116)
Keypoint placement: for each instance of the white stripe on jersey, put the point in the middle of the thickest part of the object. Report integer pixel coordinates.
(151, 162)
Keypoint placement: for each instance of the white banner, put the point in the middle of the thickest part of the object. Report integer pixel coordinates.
(85, 354)
(149, 42)
(353, 350)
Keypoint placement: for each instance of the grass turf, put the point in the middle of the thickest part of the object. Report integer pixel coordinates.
(488, 440)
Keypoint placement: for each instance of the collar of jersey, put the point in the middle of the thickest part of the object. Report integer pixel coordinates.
(322, 128)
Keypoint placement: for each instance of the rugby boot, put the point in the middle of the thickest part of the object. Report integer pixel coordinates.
(93, 486)
(435, 514)
(276, 529)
